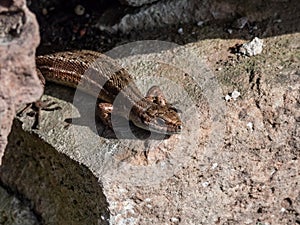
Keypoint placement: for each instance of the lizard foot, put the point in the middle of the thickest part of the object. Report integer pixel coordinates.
(34, 110)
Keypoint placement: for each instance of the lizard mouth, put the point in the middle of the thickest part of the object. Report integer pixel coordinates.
(157, 125)
(163, 119)
(162, 126)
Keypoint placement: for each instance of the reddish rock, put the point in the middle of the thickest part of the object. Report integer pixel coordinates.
(19, 83)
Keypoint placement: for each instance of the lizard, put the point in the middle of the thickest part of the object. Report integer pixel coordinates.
(106, 80)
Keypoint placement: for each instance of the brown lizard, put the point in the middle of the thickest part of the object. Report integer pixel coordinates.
(98, 75)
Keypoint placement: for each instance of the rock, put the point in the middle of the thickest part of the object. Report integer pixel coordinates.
(13, 211)
(19, 83)
(229, 31)
(200, 23)
(72, 152)
(75, 173)
(180, 30)
(79, 10)
(173, 12)
(252, 48)
(169, 12)
(235, 94)
(137, 3)
(240, 23)
(61, 190)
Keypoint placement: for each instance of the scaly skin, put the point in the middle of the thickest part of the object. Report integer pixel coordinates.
(98, 75)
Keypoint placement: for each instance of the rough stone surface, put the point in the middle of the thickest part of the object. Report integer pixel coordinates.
(13, 211)
(60, 190)
(19, 83)
(166, 13)
(245, 173)
(136, 3)
(173, 12)
(220, 170)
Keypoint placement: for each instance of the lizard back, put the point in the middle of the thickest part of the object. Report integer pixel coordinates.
(91, 72)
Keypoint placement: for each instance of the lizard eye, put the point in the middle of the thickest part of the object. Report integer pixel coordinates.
(160, 121)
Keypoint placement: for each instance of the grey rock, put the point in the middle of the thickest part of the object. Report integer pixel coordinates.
(14, 212)
(137, 3)
(240, 23)
(167, 12)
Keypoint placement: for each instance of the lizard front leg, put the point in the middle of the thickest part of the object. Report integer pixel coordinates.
(154, 94)
(105, 110)
(38, 106)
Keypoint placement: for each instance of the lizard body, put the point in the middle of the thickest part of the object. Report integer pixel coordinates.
(98, 75)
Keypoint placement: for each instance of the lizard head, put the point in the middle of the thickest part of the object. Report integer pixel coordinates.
(160, 118)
